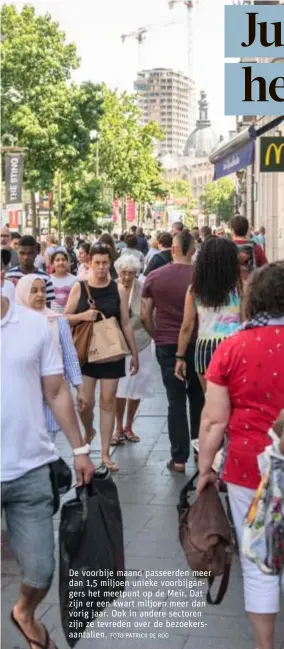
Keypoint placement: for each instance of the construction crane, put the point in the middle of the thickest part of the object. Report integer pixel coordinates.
(140, 35)
(190, 5)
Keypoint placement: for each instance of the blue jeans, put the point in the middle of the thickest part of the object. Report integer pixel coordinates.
(28, 505)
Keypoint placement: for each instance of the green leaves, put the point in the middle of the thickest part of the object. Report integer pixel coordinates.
(48, 114)
(126, 148)
(218, 198)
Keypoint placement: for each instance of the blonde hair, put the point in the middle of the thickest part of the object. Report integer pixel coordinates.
(127, 262)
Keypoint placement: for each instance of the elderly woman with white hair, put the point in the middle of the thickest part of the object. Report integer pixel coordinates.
(131, 389)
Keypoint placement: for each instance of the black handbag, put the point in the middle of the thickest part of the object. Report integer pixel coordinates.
(61, 480)
(91, 554)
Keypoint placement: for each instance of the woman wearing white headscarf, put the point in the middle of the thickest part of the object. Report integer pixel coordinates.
(30, 293)
(131, 389)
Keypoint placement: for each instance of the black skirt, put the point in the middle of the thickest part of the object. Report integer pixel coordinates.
(112, 370)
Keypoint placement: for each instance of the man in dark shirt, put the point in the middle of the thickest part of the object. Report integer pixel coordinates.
(164, 256)
(27, 253)
(164, 291)
(142, 243)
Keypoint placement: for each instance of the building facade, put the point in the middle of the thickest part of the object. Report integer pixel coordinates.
(167, 97)
(193, 165)
(263, 193)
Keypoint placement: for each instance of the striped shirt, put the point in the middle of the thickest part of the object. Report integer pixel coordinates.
(14, 274)
(71, 368)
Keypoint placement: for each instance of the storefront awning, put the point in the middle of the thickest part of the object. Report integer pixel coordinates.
(239, 152)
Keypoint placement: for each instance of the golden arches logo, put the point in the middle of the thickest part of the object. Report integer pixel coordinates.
(277, 150)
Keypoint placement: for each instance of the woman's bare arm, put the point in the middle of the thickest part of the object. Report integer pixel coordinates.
(126, 322)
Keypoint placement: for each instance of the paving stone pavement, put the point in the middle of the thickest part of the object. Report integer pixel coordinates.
(148, 496)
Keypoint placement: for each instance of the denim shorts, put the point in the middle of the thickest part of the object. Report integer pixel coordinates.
(28, 505)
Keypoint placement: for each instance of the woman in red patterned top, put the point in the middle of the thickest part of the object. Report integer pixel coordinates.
(245, 393)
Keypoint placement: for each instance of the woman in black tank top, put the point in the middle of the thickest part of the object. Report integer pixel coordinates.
(111, 300)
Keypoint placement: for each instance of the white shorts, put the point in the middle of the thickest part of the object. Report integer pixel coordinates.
(261, 592)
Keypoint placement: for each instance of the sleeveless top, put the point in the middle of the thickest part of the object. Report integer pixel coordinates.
(107, 300)
(219, 323)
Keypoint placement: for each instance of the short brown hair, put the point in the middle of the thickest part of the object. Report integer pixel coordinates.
(240, 225)
(266, 291)
(131, 240)
(165, 239)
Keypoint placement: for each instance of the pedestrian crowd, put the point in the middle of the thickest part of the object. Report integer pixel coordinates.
(92, 313)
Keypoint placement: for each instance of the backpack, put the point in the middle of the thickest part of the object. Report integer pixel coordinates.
(206, 538)
(247, 259)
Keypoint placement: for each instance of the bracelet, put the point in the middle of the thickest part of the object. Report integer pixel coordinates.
(82, 450)
(179, 358)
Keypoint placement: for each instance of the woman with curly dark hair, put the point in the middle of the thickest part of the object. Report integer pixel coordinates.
(244, 395)
(215, 297)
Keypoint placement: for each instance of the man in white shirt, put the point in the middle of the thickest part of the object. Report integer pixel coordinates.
(31, 373)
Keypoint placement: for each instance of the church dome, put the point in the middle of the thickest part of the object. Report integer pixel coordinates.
(203, 139)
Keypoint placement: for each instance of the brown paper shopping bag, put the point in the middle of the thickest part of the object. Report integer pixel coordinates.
(107, 342)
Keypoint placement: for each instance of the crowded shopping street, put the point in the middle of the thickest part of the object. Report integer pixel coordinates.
(142, 325)
(148, 496)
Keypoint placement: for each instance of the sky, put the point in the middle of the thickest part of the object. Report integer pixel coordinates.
(96, 27)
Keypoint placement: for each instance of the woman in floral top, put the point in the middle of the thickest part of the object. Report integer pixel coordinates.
(245, 393)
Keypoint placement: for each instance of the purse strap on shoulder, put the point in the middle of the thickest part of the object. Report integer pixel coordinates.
(91, 301)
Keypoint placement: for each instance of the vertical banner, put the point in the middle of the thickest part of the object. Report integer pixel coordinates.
(45, 203)
(13, 219)
(115, 211)
(130, 211)
(14, 166)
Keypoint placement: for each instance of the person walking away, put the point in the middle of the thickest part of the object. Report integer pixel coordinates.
(62, 281)
(142, 243)
(84, 259)
(6, 242)
(251, 255)
(33, 372)
(121, 244)
(164, 291)
(164, 256)
(131, 249)
(27, 253)
(176, 228)
(72, 257)
(131, 389)
(215, 297)
(110, 299)
(243, 399)
(30, 293)
(205, 232)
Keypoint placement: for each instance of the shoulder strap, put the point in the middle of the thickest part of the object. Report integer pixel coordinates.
(91, 301)
(224, 582)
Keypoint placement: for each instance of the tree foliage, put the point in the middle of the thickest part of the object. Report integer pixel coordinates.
(182, 189)
(48, 114)
(218, 198)
(126, 148)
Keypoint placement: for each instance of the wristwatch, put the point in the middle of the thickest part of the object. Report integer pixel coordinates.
(179, 358)
(82, 450)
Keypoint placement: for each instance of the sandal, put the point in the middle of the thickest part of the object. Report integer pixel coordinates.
(175, 468)
(117, 438)
(30, 640)
(111, 466)
(130, 436)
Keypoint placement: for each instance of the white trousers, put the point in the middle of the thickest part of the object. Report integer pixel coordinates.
(261, 592)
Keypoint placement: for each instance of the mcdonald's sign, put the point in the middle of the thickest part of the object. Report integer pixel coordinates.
(272, 154)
